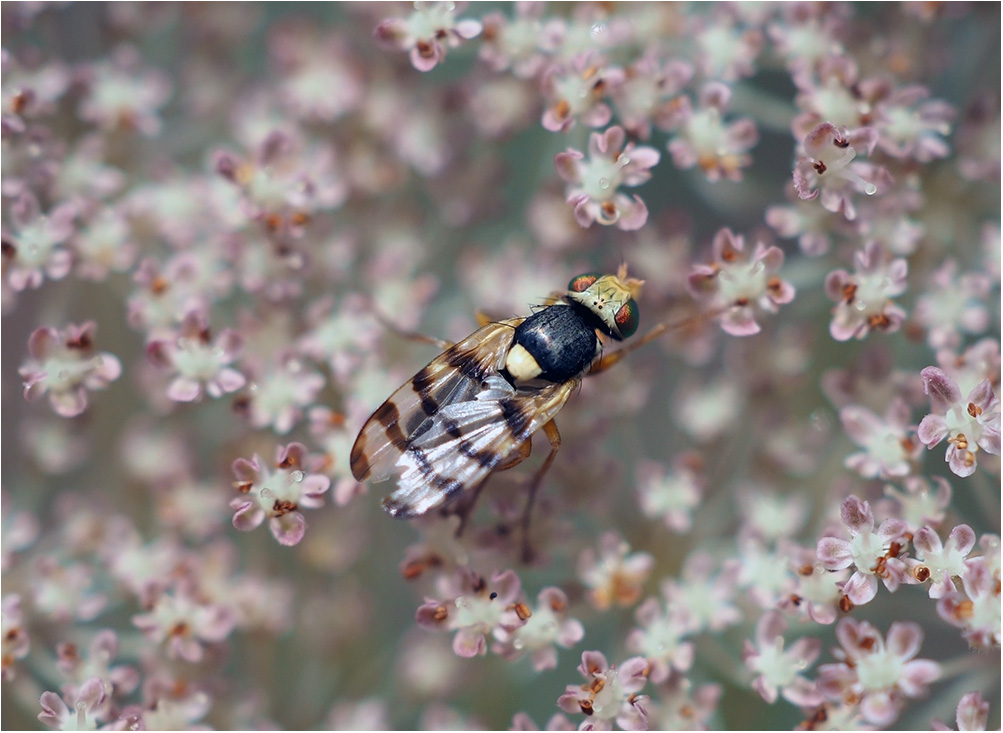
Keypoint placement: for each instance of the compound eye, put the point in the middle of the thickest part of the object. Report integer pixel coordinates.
(628, 318)
(581, 283)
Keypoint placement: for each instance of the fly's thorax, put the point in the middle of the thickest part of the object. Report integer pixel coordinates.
(555, 344)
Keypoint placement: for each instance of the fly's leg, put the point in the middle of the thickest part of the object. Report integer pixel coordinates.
(465, 506)
(411, 335)
(554, 436)
(608, 360)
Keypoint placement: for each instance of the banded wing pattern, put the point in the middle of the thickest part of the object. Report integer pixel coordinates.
(464, 441)
(454, 376)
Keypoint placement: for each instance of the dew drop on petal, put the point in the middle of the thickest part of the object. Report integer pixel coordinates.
(297, 476)
(870, 189)
(604, 183)
(519, 644)
(599, 32)
(63, 374)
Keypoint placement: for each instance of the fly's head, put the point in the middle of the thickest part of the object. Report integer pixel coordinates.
(611, 298)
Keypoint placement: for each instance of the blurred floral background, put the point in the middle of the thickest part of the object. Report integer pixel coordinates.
(784, 512)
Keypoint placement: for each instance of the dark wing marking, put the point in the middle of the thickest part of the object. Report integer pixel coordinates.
(466, 440)
(453, 376)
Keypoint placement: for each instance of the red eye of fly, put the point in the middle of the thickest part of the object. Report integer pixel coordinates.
(581, 283)
(628, 318)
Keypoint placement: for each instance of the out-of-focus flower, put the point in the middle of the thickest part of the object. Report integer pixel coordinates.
(727, 52)
(740, 283)
(874, 554)
(474, 608)
(427, 32)
(879, 674)
(279, 494)
(277, 398)
(864, 299)
(104, 245)
(972, 713)
(888, 448)
(65, 365)
(968, 424)
(910, 126)
(200, 364)
(660, 639)
(704, 594)
(104, 647)
(614, 575)
(721, 150)
(123, 96)
(88, 703)
(185, 624)
(780, 670)
(671, 496)
(33, 250)
(594, 182)
(547, 627)
(14, 641)
(650, 95)
(514, 43)
(65, 591)
(920, 503)
(951, 306)
(609, 693)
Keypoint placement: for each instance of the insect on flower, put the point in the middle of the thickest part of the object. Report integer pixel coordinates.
(474, 408)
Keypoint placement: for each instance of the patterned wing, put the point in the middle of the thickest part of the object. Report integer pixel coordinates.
(463, 442)
(455, 375)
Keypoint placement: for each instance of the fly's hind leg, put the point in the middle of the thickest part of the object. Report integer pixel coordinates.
(464, 510)
(554, 436)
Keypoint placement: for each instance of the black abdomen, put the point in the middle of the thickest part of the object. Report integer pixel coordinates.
(561, 339)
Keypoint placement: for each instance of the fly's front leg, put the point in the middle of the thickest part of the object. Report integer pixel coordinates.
(554, 436)
(411, 335)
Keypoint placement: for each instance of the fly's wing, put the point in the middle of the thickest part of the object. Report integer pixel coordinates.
(466, 440)
(454, 376)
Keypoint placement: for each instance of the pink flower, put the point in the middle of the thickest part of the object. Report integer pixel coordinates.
(14, 640)
(671, 496)
(952, 306)
(87, 704)
(976, 611)
(474, 608)
(910, 126)
(615, 576)
(277, 397)
(514, 43)
(650, 94)
(609, 693)
(873, 554)
(740, 282)
(104, 647)
(34, 251)
(277, 495)
(864, 299)
(122, 96)
(424, 33)
(779, 669)
(548, 626)
(64, 365)
(185, 623)
(574, 92)
(816, 591)
(972, 713)
(200, 364)
(660, 639)
(968, 424)
(888, 448)
(879, 674)
(593, 183)
(827, 168)
(940, 563)
(704, 139)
